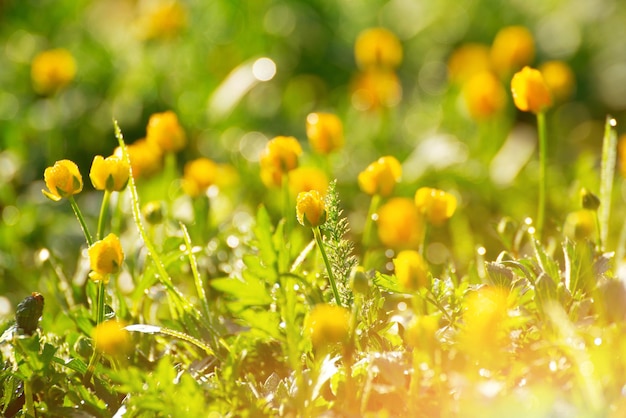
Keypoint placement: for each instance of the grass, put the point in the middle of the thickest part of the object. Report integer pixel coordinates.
(219, 303)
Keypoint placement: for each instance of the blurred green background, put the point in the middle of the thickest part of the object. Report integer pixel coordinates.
(198, 59)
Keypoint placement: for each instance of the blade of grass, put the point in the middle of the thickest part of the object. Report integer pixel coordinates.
(177, 298)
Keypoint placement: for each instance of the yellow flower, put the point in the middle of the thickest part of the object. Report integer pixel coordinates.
(468, 60)
(530, 91)
(580, 225)
(310, 208)
(52, 70)
(105, 257)
(411, 270)
(145, 158)
(375, 88)
(164, 130)
(560, 79)
(377, 47)
(109, 173)
(381, 176)
(484, 95)
(325, 132)
(512, 48)
(400, 224)
(278, 158)
(63, 180)
(421, 333)
(436, 205)
(198, 176)
(111, 338)
(164, 19)
(327, 325)
(303, 179)
(484, 323)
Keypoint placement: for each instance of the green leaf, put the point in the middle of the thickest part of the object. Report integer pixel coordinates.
(264, 238)
(546, 263)
(250, 291)
(387, 282)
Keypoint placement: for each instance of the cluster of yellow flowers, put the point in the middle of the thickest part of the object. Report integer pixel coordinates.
(480, 70)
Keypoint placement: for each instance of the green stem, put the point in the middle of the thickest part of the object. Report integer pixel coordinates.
(369, 222)
(28, 395)
(99, 319)
(81, 219)
(543, 163)
(607, 172)
(104, 208)
(331, 278)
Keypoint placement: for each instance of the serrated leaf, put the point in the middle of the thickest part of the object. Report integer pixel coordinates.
(387, 282)
(546, 263)
(247, 292)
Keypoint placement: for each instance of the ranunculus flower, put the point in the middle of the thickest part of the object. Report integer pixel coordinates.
(109, 173)
(310, 208)
(105, 257)
(530, 91)
(62, 179)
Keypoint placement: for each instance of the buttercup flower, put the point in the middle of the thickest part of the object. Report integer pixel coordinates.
(400, 224)
(325, 132)
(105, 257)
(62, 179)
(512, 48)
(327, 324)
(278, 158)
(303, 179)
(421, 332)
(52, 70)
(484, 95)
(109, 173)
(163, 19)
(145, 158)
(436, 205)
(375, 88)
(377, 47)
(164, 130)
(580, 225)
(560, 79)
(198, 176)
(468, 60)
(530, 91)
(484, 325)
(411, 270)
(310, 208)
(381, 176)
(111, 338)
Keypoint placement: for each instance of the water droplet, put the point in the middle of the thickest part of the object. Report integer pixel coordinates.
(402, 306)
(613, 122)
(552, 366)
(531, 230)
(597, 341)
(528, 221)
(481, 250)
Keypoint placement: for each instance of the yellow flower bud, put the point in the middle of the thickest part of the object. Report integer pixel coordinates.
(278, 158)
(468, 60)
(421, 333)
(163, 19)
(400, 224)
(153, 212)
(484, 95)
(145, 158)
(52, 70)
(310, 208)
(512, 48)
(411, 270)
(325, 132)
(377, 47)
(375, 88)
(109, 173)
(164, 130)
(436, 205)
(303, 179)
(105, 257)
(381, 176)
(530, 91)
(198, 176)
(63, 180)
(111, 338)
(580, 225)
(327, 325)
(560, 79)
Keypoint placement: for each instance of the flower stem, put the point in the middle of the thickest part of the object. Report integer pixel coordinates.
(104, 208)
(369, 222)
(81, 220)
(543, 162)
(331, 278)
(609, 156)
